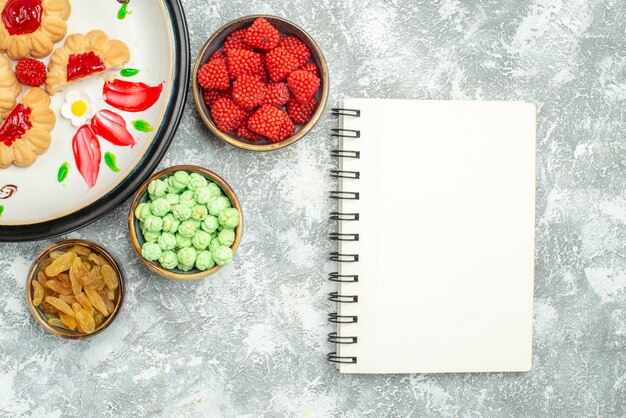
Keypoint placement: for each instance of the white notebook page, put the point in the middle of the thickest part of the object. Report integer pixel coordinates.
(446, 236)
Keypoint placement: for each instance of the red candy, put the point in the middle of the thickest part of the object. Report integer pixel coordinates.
(214, 74)
(297, 48)
(248, 91)
(303, 85)
(227, 115)
(261, 84)
(31, 72)
(276, 94)
(262, 35)
(301, 112)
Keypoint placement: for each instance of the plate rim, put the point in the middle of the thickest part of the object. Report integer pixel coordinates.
(127, 187)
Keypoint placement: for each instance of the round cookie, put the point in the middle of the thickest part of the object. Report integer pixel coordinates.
(35, 36)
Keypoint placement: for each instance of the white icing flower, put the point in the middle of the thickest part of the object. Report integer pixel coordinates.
(77, 108)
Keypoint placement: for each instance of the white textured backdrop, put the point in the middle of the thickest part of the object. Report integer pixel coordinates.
(250, 341)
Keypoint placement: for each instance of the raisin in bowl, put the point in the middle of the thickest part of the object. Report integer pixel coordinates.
(75, 289)
(260, 83)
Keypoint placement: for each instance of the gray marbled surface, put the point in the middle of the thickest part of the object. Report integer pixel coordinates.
(251, 341)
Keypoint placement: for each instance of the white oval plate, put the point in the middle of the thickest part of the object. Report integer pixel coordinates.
(42, 206)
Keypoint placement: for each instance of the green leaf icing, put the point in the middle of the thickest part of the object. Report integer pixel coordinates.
(63, 170)
(111, 161)
(142, 125)
(1, 210)
(122, 13)
(129, 72)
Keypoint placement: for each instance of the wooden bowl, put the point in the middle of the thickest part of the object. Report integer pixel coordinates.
(136, 236)
(32, 275)
(215, 43)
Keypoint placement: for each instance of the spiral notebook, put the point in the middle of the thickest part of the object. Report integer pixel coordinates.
(435, 236)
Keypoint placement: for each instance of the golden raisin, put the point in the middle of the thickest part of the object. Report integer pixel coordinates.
(69, 299)
(85, 321)
(57, 287)
(45, 263)
(76, 289)
(56, 254)
(69, 321)
(64, 279)
(56, 322)
(60, 305)
(110, 277)
(46, 308)
(107, 302)
(38, 293)
(98, 318)
(60, 264)
(94, 279)
(96, 301)
(84, 302)
(98, 259)
(76, 272)
(80, 250)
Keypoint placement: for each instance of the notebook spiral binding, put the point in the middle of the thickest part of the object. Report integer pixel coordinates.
(336, 277)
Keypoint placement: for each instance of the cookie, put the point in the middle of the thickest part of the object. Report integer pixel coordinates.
(10, 88)
(84, 56)
(25, 132)
(31, 27)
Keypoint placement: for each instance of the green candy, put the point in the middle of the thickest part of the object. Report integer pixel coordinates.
(187, 229)
(201, 240)
(143, 211)
(187, 256)
(222, 255)
(180, 179)
(214, 245)
(173, 198)
(203, 195)
(204, 261)
(215, 189)
(167, 241)
(182, 242)
(229, 218)
(168, 260)
(196, 180)
(210, 224)
(170, 224)
(181, 212)
(217, 205)
(153, 224)
(157, 188)
(151, 251)
(187, 221)
(226, 237)
(199, 213)
(187, 199)
(151, 236)
(160, 207)
(171, 188)
(182, 267)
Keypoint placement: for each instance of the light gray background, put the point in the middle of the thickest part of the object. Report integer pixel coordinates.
(250, 341)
